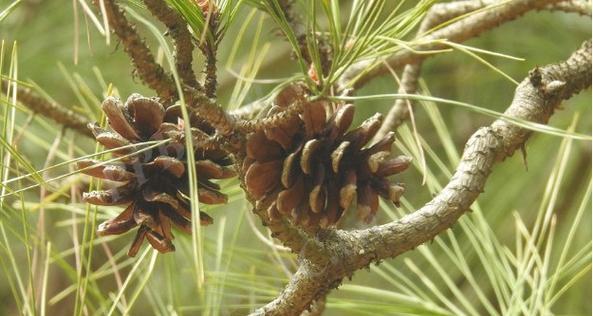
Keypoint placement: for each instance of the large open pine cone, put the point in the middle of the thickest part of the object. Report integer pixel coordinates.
(156, 185)
(313, 167)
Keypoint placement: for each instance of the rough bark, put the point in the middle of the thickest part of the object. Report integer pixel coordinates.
(535, 100)
(181, 37)
(50, 109)
(151, 73)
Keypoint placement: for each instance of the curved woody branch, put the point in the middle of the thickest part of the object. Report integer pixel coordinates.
(151, 73)
(440, 13)
(572, 6)
(536, 99)
(437, 14)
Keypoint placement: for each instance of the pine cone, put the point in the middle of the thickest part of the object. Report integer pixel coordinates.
(156, 184)
(312, 167)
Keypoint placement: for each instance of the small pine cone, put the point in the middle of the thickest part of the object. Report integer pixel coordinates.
(155, 189)
(312, 167)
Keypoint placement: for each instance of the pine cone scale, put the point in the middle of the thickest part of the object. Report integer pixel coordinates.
(210, 196)
(338, 154)
(155, 181)
(325, 168)
(114, 109)
(290, 169)
(158, 242)
(393, 166)
(341, 121)
(290, 198)
(262, 177)
(112, 140)
(169, 164)
(92, 168)
(260, 148)
(314, 117)
(368, 202)
(115, 196)
(166, 226)
(211, 170)
(310, 149)
(147, 113)
(348, 189)
(119, 225)
(137, 242)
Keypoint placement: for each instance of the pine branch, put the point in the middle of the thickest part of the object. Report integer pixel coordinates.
(182, 38)
(50, 109)
(210, 80)
(440, 13)
(400, 111)
(581, 7)
(156, 77)
(296, 23)
(210, 49)
(211, 113)
(248, 126)
(536, 99)
(151, 73)
(362, 72)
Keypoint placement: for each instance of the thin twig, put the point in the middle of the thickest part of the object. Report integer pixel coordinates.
(362, 72)
(400, 111)
(50, 109)
(297, 26)
(440, 13)
(210, 80)
(536, 99)
(248, 126)
(182, 38)
(151, 73)
(210, 50)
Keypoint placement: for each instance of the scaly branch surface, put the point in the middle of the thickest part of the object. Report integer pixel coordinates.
(49, 109)
(181, 36)
(210, 49)
(536, 98)
(210, 80)
(151, 73)
(298, 27)
(155, 77)
(207, 110)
